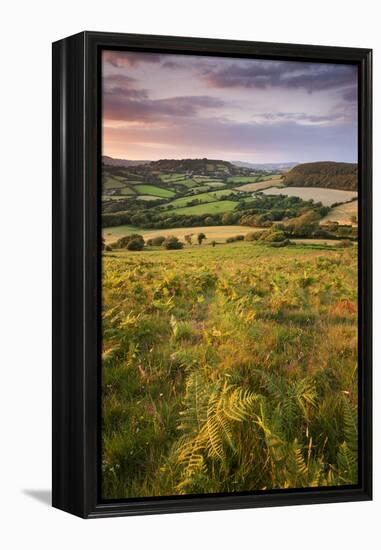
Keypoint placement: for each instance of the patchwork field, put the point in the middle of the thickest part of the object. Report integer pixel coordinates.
(218, 233)
(154, 190)
(113, 183)
(228, 369)
(202, 197)
(317, 194)
(346, 214)
(218, 207)
(260, 185)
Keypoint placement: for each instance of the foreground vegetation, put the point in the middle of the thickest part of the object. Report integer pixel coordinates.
(229, 368)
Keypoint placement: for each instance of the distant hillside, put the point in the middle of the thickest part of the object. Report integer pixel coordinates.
(333, 175)
(109, 161)
(196, 166)
(266, 166)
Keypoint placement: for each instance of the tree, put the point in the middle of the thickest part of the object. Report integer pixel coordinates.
(135, 244)
(201, 237)
(172, 243)
(123, 242)
(227, 218)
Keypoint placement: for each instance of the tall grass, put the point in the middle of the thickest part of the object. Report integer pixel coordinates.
(228, 369)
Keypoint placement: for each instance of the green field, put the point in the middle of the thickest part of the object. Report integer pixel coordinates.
(147, 198)
(243, 179)
(202, 197)
(127, 191)
(217, 207)
(154, 190)
(171, 177)
(110, 182)
(228, 368)
(253, 179)
(215, 183)
(189, 183)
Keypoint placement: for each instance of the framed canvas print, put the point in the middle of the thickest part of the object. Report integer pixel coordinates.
(212, 274)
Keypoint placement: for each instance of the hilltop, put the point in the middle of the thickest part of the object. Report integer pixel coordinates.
(333, 175)
(109, 161)
(202, 166)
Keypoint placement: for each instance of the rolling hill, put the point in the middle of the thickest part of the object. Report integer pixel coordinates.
(109, 161)
(333, 175)
(198, 166)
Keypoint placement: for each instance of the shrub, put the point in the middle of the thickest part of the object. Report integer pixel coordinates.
(235, 238)
(124, 241)
(201, 237)
(227, 218)
(253, 236)
(135, 244)
(172, 243)
(156, 241)
(274, 237)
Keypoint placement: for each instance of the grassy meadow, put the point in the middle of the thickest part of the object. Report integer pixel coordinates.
(228, 368)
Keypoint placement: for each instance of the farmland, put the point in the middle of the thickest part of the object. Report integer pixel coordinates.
(228, 368)
(206, 208)
(278, 182)
(317, 194)
(202, 198)
(218, 233)
(154, 190)
(344, 214)
(171, 194)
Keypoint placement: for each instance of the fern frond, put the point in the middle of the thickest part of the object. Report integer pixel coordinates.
(305, 393)
(191, 458)
(272, 383)
(302, 467)
(196, 402)
(347, 463)
(215, 447)
(350, 425)
(239, 403)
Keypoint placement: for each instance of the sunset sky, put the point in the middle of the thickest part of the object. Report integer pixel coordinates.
(177, 106)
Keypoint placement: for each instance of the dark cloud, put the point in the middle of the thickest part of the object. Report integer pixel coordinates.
(119, 105)
(129, 59)
(123, 100)
(279, 117)
(121, 86)
(282, 74)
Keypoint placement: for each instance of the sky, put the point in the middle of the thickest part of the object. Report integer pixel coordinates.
(168, 106)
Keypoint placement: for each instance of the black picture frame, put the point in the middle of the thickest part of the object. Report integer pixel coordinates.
(76, 273)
